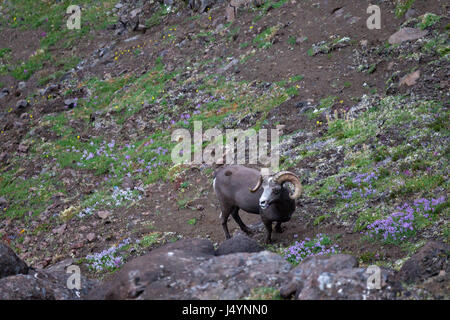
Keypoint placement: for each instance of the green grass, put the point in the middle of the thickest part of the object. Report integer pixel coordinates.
(157, 17)
(264, 39)
(264, 293)
(428, 20)
(50, 19)
(5, 53)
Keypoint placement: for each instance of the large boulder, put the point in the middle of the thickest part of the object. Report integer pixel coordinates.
(19, 282)
(335, 277)
(42, 285)
(188, 269)
(147, 275)
(238, 243)
(10, 263)
(429, 261)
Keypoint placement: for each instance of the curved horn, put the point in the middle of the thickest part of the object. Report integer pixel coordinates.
(284, 176)
(258, 185)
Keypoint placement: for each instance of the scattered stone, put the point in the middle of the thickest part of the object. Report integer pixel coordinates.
(407, 34)
(91, 237)
(228, 66)
(391, 65)
(410, 13)
(22, 148)
(132, 38)
(103, 214)
(128, 183)
(300, 40)
(22, 85)
(60, 230)
(71, 103)
(22, 104)
(10, 263)
(4, 92)
(410, 79)
(353, 20)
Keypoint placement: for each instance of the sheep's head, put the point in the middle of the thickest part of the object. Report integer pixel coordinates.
(273, 185)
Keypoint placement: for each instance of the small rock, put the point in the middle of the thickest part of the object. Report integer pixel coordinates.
(22, 85)
(91, 237)
(410, 13)
(60, 230)
(4, 92)
(23, 148)
(407, 34)
(103, 214)
(71, 102)
(21, 104)
(132, 38)
(410, 79)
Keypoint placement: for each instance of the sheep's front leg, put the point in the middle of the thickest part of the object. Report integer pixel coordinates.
(278, 228)
(268, 225)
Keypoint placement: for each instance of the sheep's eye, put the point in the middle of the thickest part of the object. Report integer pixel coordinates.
(276, 191)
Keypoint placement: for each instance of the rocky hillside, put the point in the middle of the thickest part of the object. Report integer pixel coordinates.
(86, 176)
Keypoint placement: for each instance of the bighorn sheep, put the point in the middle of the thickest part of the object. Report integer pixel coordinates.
(238, 187)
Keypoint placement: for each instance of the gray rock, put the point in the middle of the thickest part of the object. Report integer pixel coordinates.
(238, 243)
(21, 104)
(228, 66)
(4, 92)
(429, 261)
(22, 85)
(51, 88)
(146, 274)
(132, 38)
(71, 102)
(10, 263)
(42, 285)
(333, 277)
(407, 34)
(128, 183)
(188, 269)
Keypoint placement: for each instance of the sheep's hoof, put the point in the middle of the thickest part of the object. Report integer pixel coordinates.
(249, 232)
(279, 229)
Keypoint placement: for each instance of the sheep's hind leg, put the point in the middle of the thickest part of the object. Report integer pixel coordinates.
(224, 216)
(237, 218)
